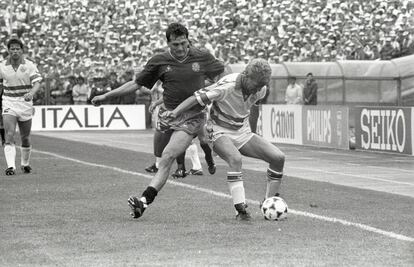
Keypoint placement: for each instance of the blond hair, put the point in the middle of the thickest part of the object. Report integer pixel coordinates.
(258, 68)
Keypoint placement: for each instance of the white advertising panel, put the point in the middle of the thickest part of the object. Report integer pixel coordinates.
(282, 123)
(88, 117)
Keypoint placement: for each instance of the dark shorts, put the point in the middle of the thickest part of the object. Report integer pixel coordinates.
(189, 121)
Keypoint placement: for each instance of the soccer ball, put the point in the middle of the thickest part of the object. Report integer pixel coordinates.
(274, 208)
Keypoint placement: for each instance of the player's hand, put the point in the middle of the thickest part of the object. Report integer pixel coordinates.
(97, 100)
(28, 97)
(170, 114)
(152, 107)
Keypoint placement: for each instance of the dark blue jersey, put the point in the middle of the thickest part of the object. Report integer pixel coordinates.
(180, 79)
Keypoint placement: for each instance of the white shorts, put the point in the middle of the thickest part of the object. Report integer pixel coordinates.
(22, 110)
(239, 137)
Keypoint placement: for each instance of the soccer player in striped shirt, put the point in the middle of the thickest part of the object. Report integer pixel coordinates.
(20, 80)
(231, 98)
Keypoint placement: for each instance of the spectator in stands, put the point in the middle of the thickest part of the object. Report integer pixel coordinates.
(113, 83)
(294, 92)
(79, 35)
(80, 92)
(310, 90)
(128, 98)
(98, 87)
(387, 51)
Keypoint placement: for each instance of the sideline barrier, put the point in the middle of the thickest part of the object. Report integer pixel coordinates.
(387, 129)
(282, 123)
(325, 126)
(88, 117)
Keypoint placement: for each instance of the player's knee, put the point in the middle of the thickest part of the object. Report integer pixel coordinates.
(168, 157)
(25, 140)
(235, 161)
(26, 143)
(279, 159)
(9, 136)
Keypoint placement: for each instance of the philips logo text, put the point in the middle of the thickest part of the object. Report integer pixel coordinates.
(319, 126)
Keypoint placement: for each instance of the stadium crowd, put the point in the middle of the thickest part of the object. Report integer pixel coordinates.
(95, 38)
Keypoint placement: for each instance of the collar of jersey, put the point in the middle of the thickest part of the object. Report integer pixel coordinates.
(8, 61)
(182, 60)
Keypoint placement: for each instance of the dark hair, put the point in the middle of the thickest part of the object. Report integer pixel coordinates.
(310, 73)
(176, 29)
(14, 41)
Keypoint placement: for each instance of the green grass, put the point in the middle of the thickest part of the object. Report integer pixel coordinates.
(69, 214)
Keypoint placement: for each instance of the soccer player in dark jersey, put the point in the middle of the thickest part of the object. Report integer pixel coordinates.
(183, 70)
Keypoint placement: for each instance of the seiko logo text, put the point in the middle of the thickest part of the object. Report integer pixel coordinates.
(383, 129)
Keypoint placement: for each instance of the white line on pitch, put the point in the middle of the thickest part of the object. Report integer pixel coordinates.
(354, 175)
(254, 202)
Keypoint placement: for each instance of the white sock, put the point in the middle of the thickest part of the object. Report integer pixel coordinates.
(157, 161)
(25, 155)
(144, 201)
(274, 179)
(10, 155)
(192, 152)
(236, 188)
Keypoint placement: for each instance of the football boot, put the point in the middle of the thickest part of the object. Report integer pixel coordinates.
(137, 207)
(10, 171)
(151, 169)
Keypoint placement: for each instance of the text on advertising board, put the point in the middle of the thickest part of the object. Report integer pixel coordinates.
(319, 125)
(383, 129)
(104, 120)
(283, 124)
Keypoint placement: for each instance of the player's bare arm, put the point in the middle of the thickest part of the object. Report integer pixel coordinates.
(186, 105)
(29, 96)
(124, 89)
(155, 104)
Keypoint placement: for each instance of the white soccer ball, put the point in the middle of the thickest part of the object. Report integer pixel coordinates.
(274, 208)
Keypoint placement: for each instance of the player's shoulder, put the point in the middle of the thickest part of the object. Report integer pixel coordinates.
(228, 79)
(29, 61)
(159, 59)
(202, 53)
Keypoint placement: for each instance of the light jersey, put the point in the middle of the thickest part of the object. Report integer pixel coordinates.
(16, 83)
(180, 79)
(230, 108)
